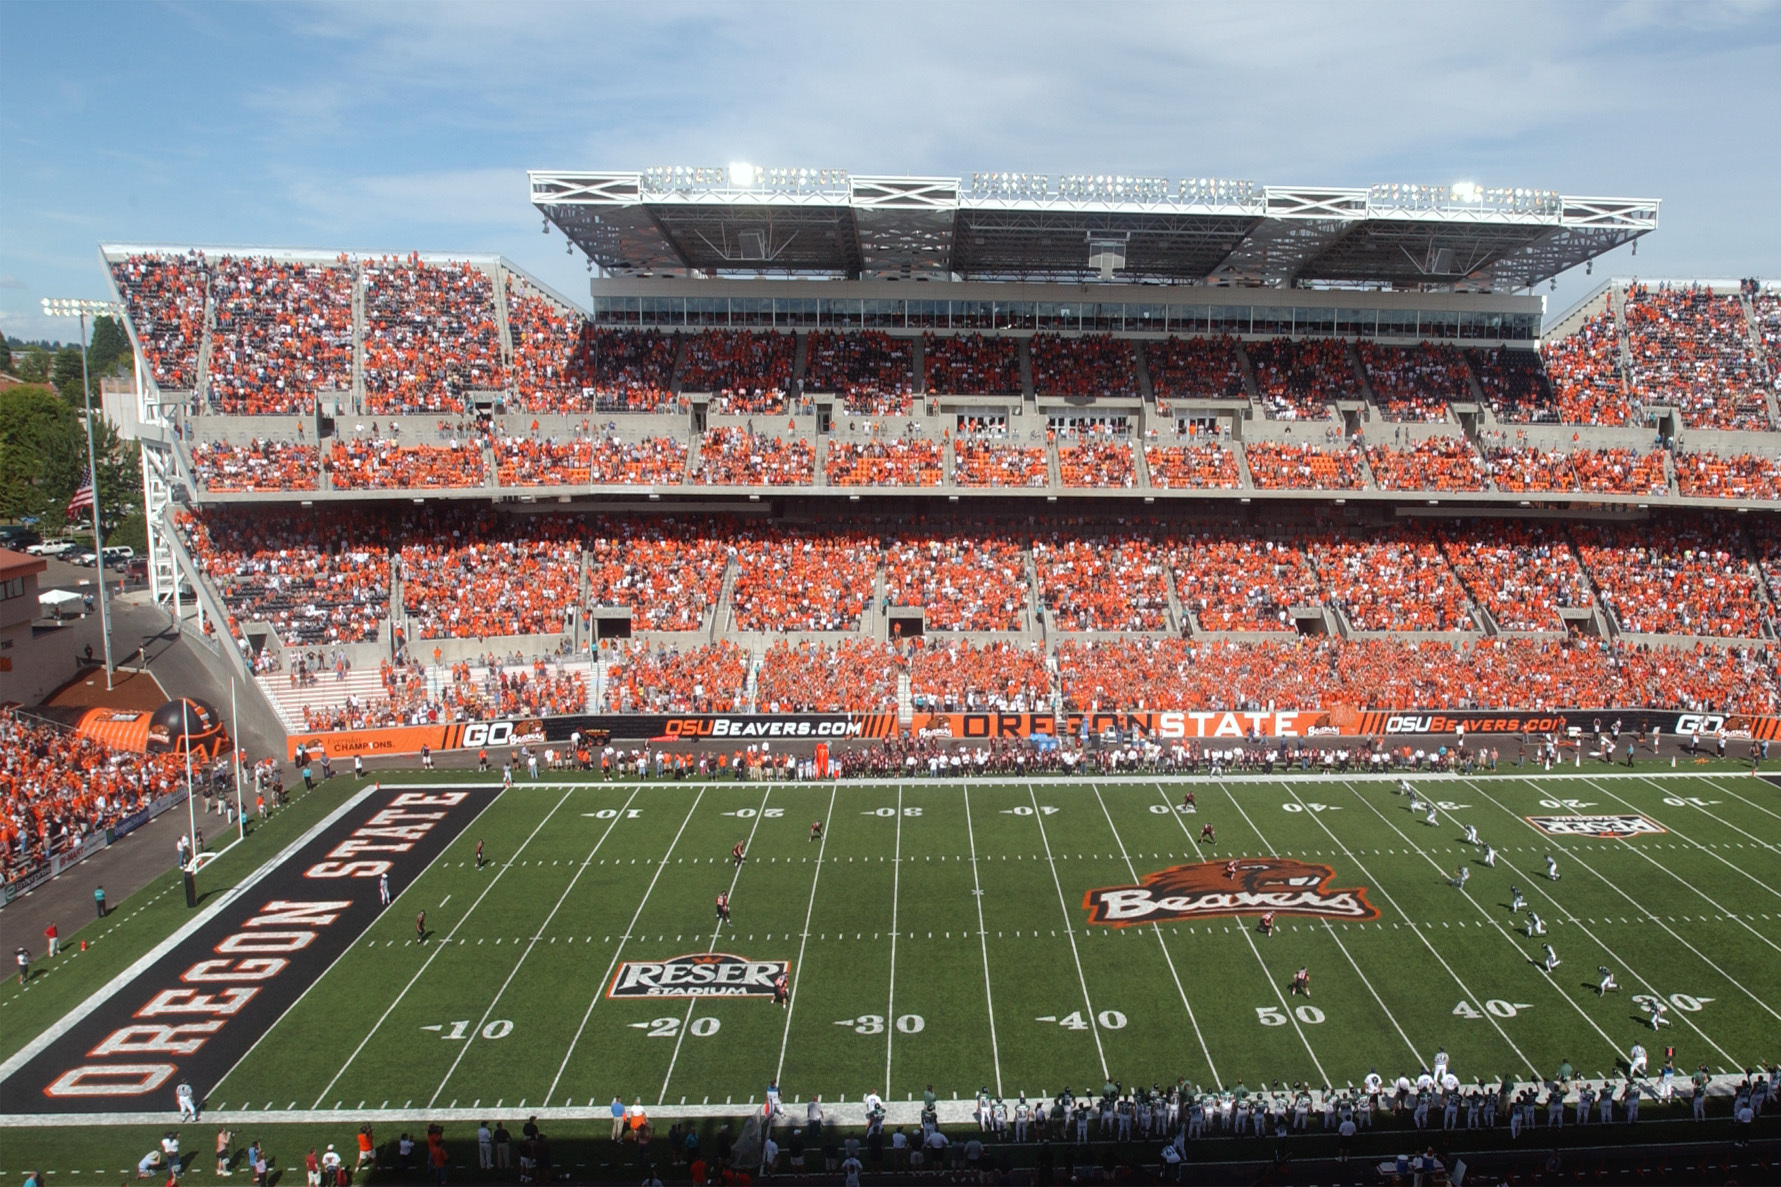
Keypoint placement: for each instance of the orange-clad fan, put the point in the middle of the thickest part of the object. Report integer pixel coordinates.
(788, 581)
(526, 461)
(1600, 471)
(1233, 582)
(1284, 466)
(1093, 582)
(732, 456)
(810, 677)
(283, 333)
(492, 578)
(1434, 463)
(384, 463)
(709, 678)
(1584, 369)
(668, 572)
(1739, 476)
(1416, 382)
(489, 689)
(1515, 384)
(971, 364)
(1205, 465)
(1522, 571)
(1095, 462)
(1297, 380)
(960, 676)
(895, 461)
(748, 371)
(978, 462)
(964, 581)
(1195, 368)
(1391, 581)
(1670, 578)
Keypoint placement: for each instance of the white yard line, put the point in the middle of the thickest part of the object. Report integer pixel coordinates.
(983, 941)
(441, 945)
(1612, 954)
(890, 1007)
(791, 1004)
(686, 1022)
(202, 919)
(623, 939)
(1765, 811)
(532, 943)
(1069, 930)
(1364, 979)
(1713, 817)
(1157, 931)
(1532, 1067)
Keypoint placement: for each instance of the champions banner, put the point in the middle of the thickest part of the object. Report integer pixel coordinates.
(1205, 726)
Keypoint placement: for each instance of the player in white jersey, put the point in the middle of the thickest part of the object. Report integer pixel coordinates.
(1431, 815)
(1551, 962)
(1535, 925)
(1656, 1008)
(1023, 1116)
(1607, 976)
(1639, 1062)
(1516, 902)
(1440, 1064)
(1551, 868)
(1461, 875)
(1490, 857)
(1404, 788)
(1471, 834)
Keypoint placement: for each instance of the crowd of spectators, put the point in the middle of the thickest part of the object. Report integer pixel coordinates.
(857, 675)
(1235, 582)
(1392, 581)
(430, 335)
(1203, 466)
(1523, 468)
(631, 370)
(58, 787)
(257, 466)
(1434, 463)
(1195, 369)
(872, 372)
(384, 463)
(977, 462)
(957, 676)
(1096, 462)
(550, 350)
(1275, 465)
(894, 461)
(748, 371)
(1416, 383)
(669, 572)
(1082, 366)
(457, 692)
(1514, 384)
(1522, 571)
(1091, 581)
(1765, 305)
(299, 570)
(528, 461)
(965, 581)
(1298, 379)
(732, 456)
(165, 296)
(283, 332)
(971, 365)
(709, 678)
(1689, 348)
(482, 576)
(789, 581)
(1739, 476)
(1673, 578)
(1584, 370)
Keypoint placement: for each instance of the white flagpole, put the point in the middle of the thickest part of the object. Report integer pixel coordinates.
(235, 724)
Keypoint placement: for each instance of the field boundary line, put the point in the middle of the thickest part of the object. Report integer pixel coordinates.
(1157, 931)
(1502, 931)
(443, 941)
(791, 1004)
(141, 964)
(692, 1002)
(1010, 779)
(890, 1001)
(1069, 929)
(1335, 935)
(530, 944)
(989, 1000)
(624, 938)
(1652, 916)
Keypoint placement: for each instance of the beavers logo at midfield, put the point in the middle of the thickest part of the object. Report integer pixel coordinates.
(1246, 886)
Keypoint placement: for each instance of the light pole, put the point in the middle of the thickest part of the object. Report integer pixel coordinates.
(81, 308)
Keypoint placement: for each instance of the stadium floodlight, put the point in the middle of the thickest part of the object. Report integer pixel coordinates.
(1467, 191)
(741, 174)
(83, 309)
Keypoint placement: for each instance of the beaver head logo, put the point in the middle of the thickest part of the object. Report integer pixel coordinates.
(1241, 886)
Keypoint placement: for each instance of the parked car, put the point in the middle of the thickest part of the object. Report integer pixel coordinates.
(52, 548)
(17, 536)
(119, 553)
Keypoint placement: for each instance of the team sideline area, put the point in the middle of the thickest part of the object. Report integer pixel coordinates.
(1198, 945)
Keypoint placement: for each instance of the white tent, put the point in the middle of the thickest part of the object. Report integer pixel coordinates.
(56, 602)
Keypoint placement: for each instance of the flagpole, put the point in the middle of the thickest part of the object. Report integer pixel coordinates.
(235, 724)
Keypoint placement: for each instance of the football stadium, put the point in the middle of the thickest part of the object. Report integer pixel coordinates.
(1005, 678)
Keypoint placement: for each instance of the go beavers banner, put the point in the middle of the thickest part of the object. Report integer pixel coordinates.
(744, 729)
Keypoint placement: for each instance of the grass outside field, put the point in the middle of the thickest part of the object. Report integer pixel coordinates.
(937, 935)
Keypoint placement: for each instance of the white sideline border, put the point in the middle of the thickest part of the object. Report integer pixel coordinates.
(118, 983)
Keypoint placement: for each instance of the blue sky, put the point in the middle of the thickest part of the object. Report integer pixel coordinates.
(392, 127)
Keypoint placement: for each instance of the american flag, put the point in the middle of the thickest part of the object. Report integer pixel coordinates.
(82, 500)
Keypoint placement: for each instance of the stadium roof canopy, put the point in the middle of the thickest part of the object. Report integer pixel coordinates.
(744, 220)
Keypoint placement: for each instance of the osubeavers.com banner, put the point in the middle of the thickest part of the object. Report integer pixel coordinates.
(1207, 726)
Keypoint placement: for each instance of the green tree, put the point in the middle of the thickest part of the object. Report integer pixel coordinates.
(42, 452)
(34, 365)
(109, 345)
(65, 374)
(5, 356)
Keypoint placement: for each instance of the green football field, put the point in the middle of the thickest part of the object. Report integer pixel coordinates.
(937, 934)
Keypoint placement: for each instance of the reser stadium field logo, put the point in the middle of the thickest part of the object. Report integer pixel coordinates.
(1210, 889)
(1629, 824)
(706, 974)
